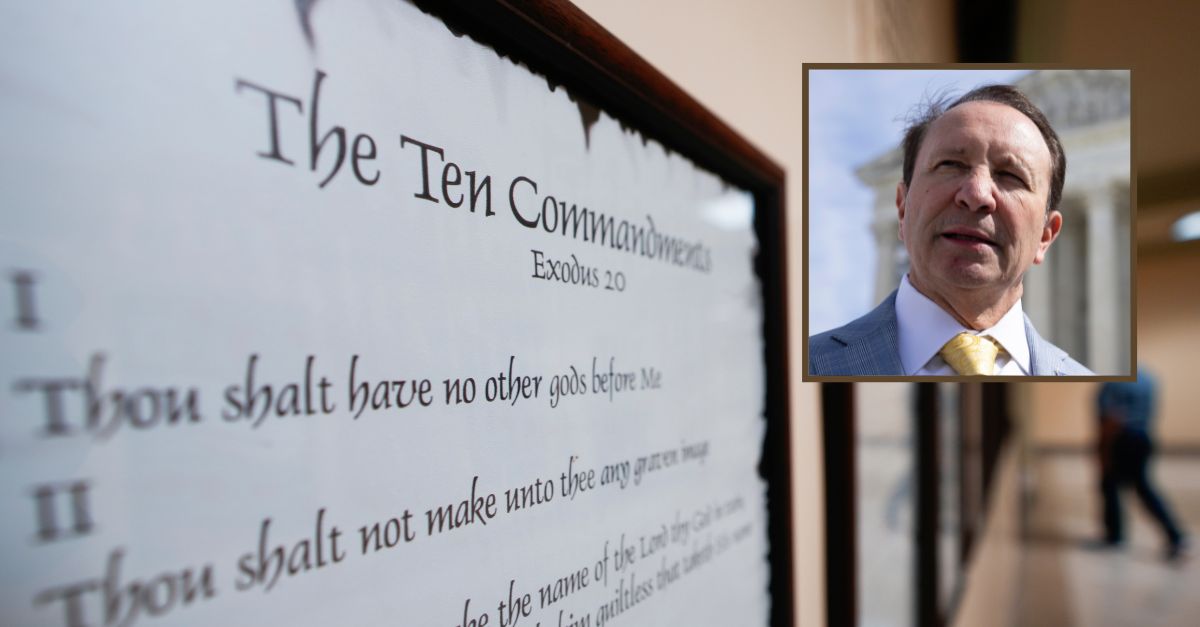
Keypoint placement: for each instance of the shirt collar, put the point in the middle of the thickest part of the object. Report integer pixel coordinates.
(925, 327)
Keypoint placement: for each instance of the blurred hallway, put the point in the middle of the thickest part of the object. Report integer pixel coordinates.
(1066, 580)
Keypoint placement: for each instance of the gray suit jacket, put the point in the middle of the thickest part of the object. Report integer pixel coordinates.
(870, 346)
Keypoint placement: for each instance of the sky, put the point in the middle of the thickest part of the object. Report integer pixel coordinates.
(854, 117)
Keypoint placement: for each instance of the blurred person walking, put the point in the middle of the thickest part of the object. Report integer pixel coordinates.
(1125, 448)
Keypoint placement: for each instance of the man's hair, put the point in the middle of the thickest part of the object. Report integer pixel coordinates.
(929, 112)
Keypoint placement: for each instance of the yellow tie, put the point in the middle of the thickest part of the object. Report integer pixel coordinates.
(971, 355)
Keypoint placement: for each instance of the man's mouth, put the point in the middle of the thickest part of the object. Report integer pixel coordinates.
(968, 237)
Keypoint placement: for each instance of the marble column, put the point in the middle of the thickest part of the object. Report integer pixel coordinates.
(1103, 282)
(885, 228)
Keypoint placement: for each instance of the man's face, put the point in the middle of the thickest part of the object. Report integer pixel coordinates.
(974, 217)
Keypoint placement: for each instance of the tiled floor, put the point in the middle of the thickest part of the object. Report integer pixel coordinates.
(1065, 582)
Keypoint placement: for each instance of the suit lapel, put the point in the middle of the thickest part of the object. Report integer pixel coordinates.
(872, 343)
(1045, 359)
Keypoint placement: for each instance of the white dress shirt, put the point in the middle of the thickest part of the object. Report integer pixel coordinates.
(925, 328)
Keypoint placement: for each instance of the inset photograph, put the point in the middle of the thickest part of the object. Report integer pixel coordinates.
(967, 221)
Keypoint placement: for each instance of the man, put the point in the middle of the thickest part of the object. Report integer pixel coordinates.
(1125, 447)
(978, 203)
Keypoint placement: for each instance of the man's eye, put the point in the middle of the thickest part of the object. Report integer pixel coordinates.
(1013, 176)
(950, 163)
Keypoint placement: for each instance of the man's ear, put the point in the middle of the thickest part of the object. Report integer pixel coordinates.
(1049, 234)
(901, 198)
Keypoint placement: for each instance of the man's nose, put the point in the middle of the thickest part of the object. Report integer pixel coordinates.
(976, 191)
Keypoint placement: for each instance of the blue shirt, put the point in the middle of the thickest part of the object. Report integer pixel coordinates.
(1129, 403)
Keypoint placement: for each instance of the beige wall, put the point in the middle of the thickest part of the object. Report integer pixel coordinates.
(1061, 413)
(743, 60)
(1169, 337)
